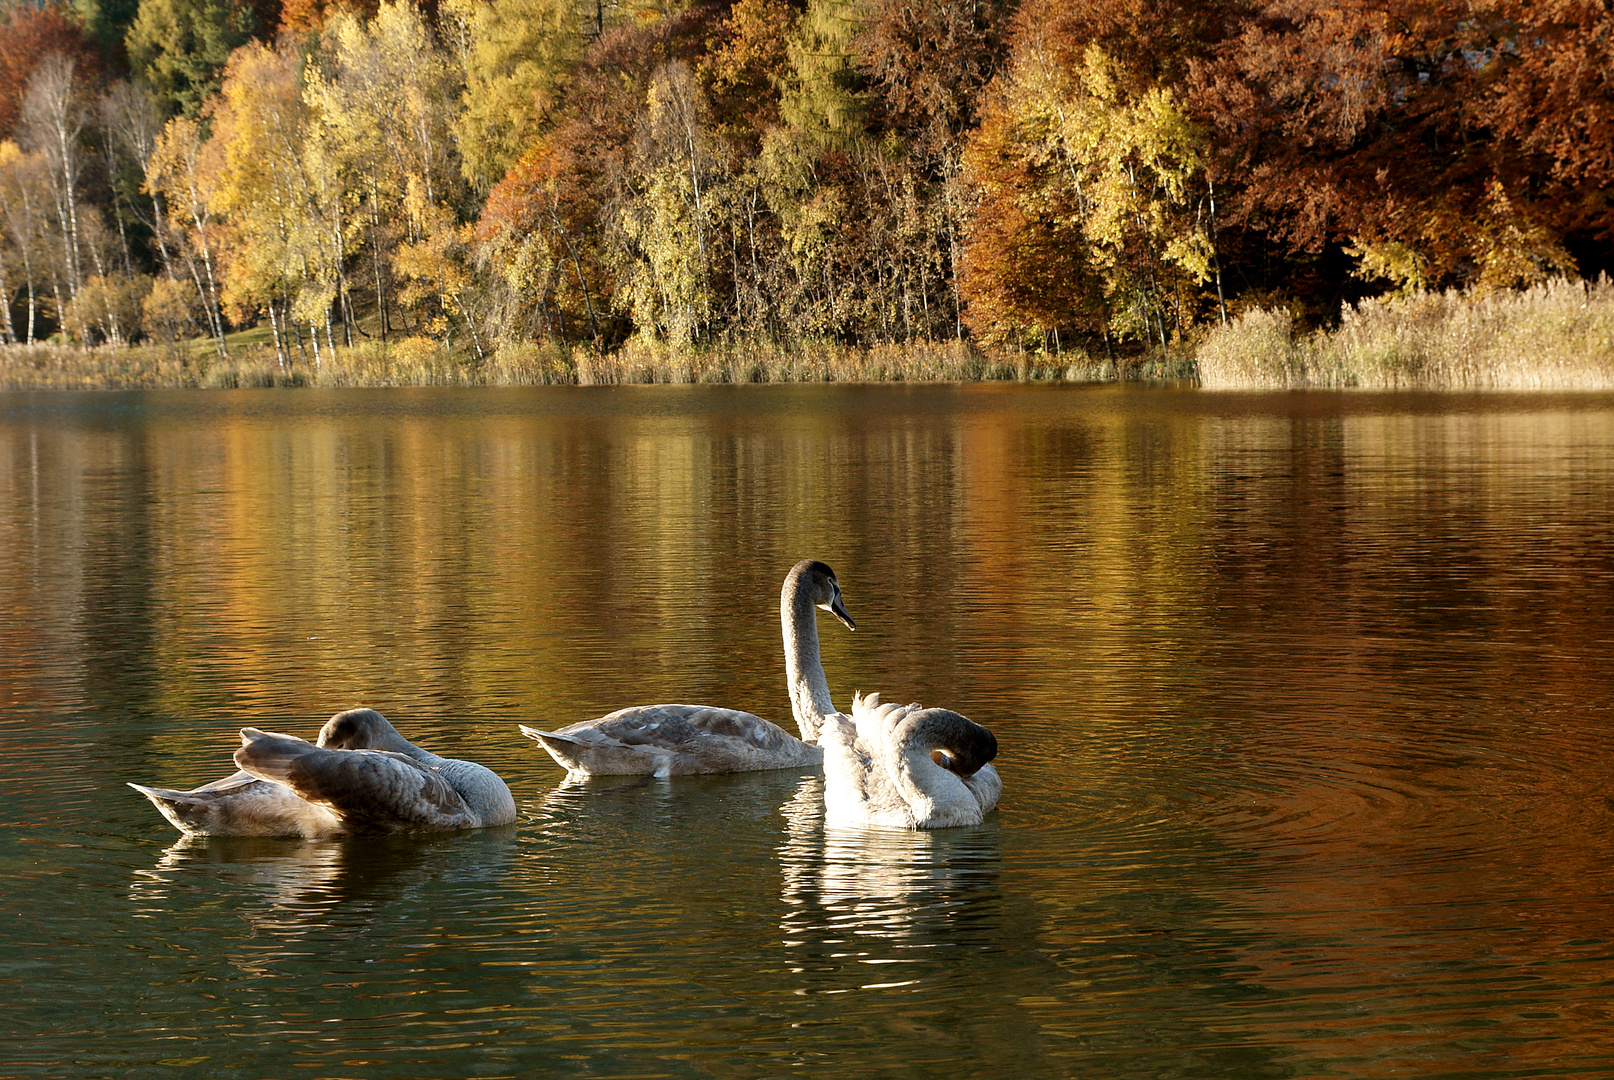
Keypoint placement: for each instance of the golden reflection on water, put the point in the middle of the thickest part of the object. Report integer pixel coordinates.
(1303, 705)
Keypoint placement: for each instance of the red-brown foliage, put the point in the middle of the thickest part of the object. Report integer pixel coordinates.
(1401, 120)
(27, 35)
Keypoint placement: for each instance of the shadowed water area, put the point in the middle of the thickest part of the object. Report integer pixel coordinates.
(1304, 706)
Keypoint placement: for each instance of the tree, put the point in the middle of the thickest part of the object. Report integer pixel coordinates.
(23, 195)
(383, 94)
(131, 120)
(1091, 187)
(183, 174)
(664, 256)
(28, 34)
(53, 116)
(106, 21)
(180, 47)
(551, 221)
(518, 56)
(1436, 140)
(926, 66)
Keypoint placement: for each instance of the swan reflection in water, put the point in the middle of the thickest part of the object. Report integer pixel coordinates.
(873, 908)
(292, 888)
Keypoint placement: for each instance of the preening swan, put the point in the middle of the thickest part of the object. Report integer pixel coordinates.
(677, 740)
(907, 767)
(361, 777)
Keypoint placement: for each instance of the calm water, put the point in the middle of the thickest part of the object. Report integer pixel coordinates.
(1305, 705)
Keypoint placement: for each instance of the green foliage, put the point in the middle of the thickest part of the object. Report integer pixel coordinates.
(107, 21)
(663, 259)
(822, 103)
(180, 47)
(517, 56)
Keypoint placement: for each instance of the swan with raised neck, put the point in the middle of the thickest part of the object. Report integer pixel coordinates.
(680, 740)
(809, 585)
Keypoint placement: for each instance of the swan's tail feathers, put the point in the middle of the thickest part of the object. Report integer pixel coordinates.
(566, 752)
(602, 756)
(570, 754)
(242, 805)
(189, 812)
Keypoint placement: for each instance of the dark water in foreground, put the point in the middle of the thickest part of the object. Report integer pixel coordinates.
(1304, 700)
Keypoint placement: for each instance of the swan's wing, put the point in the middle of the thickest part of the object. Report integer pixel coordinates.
(673, 740)
(986, 785)
(677, 726)
(372, 791)
(242, 805)
(229, 783)
(857, 786)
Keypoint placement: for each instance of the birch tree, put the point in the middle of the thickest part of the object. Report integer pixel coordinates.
(183, 174)
(23, 195)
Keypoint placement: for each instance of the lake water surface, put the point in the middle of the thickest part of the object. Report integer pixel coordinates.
(1304, 700)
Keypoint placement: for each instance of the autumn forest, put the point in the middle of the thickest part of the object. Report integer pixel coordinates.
(1112, 176)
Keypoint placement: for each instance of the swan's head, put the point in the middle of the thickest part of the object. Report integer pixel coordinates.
(958, 744)
(360, 729)
(817, 580)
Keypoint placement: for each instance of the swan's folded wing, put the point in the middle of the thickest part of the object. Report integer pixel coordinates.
(987, 787)
(678, 727)
(852, 775)
(373, 791)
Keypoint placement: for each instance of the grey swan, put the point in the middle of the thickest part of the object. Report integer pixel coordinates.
(907, 767)
(681, 740)
(361, 777)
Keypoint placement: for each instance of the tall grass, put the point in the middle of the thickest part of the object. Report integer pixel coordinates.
(639, 361)
(1558, 335)
(423, 362)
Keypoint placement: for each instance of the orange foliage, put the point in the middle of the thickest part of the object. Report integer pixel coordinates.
(302, 16)
(1023, 268)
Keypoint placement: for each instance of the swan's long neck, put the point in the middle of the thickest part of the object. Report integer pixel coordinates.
(804, 671)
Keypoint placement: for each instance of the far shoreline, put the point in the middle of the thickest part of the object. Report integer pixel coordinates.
(1557, 336)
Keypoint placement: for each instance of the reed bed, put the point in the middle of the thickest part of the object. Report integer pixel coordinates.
(1558, 335)
(423, 362)
(947, 361)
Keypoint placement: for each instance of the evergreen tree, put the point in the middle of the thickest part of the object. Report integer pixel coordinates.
(180, 47)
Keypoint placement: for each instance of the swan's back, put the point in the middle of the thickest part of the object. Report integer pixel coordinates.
(673, 740)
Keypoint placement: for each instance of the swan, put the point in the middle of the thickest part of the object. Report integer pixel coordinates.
(907, 767)
(679, 740)
(360, 777)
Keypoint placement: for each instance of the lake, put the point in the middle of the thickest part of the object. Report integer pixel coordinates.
(1304, 704)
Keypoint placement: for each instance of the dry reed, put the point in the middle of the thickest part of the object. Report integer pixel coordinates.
(1558, 335)
(424, 362)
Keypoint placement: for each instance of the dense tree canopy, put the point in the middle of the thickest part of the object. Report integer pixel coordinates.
(1047, 174)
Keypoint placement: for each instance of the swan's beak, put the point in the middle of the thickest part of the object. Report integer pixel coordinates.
(838, 609)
